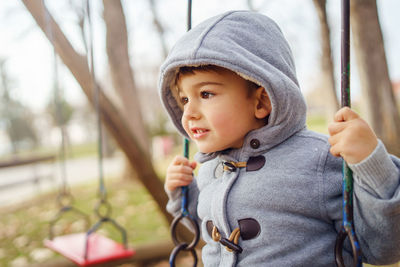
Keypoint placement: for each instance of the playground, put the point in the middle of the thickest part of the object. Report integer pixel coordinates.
(83, 183)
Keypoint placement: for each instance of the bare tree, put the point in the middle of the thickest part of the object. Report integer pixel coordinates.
(381, 108)
(327, 74)
(16, 117)
(111, 116)
(159, 27)
(121, 73)
(120, 68)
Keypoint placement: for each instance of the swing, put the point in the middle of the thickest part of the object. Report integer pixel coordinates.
(90, 248)
(347, 229)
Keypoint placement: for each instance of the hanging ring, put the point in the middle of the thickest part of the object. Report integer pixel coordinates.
(103, 209)
(347, 232)
(179, 248)
(196, 237)
(65, 200)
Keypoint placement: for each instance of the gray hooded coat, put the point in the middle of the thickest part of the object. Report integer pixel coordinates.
(287, 202)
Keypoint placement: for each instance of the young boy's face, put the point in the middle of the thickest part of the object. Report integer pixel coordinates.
(218, 110)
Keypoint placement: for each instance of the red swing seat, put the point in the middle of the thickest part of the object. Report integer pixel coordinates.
(100, 249)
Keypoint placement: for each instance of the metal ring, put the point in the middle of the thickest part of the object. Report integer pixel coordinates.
(65, 199)
(341, 237)
(196, 231)
(103, 207)
(177, 249)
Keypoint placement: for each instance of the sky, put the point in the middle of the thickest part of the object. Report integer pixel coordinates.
(29, 57)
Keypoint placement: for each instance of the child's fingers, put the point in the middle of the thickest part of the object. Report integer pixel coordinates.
(336, 127)
(335, 150)
(177, 176)
(172, 185)
(193, 164)
(179, 173)
(345, 114)
(178, 179)
(334, 140)
(180, 160)
(336, 144)
(180, 169)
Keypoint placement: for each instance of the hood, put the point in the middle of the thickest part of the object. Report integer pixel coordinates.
(253, 46)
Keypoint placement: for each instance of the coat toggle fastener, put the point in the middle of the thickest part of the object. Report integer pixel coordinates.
(231, 244)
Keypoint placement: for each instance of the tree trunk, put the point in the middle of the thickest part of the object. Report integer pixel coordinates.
(122, 77)
(327, 76)
(381, 109)
(120, 68)
(111, 118)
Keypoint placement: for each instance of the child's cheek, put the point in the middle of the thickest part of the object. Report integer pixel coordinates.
(223, 122)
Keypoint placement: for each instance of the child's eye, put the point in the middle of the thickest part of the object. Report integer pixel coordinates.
(206, 94)
(184, 100)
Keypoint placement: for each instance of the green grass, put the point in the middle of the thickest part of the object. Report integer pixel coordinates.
(24, 227)
(82, 150)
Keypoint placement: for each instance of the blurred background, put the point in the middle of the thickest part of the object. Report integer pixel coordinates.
(49, 135)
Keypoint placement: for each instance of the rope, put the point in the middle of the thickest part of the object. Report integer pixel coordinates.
(103, 208)
(64, 198)
(58, 104)
(96, 90)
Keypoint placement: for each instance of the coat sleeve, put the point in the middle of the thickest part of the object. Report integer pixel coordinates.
(376, 204)
(174, 204)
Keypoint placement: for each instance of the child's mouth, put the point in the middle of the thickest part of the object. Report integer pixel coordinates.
(198, 132)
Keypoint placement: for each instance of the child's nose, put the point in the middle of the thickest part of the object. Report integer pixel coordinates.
(191, 111)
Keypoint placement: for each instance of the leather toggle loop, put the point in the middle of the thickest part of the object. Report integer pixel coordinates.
(232, 166)
(231, 244)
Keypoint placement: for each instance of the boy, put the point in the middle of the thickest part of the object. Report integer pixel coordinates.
(267, 184)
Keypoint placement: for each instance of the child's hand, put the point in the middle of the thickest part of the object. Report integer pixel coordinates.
(179, 173)
(351, 137)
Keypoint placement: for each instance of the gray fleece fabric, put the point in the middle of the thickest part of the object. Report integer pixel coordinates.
(295, 199)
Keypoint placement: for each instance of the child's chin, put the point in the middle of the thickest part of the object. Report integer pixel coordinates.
(206, 150)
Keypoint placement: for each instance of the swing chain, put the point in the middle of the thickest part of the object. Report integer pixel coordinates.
(103, 208)
(193, 222)
(64, 198)
(183, 246)
(347, 229)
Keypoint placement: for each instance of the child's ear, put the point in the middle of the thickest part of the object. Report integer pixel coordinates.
(263, 103)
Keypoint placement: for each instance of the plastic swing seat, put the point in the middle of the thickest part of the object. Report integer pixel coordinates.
(100, 249)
